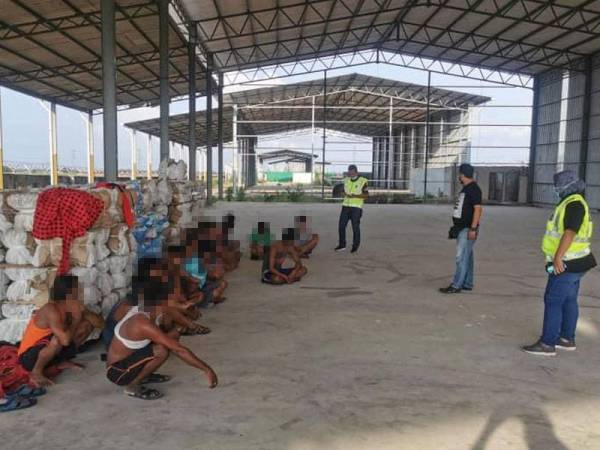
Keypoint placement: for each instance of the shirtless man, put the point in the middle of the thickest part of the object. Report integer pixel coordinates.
(306, 241)
(139, 346)
(56, 331)
(231, 251)
(273, 271)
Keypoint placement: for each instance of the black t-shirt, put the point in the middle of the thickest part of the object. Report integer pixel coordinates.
(574, 215)
(469, 197)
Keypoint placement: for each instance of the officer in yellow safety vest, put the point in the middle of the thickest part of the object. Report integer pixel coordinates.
(355, 193)
(566, 246)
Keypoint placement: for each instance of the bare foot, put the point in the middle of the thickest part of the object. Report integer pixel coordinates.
(40, 380)
(70, 365)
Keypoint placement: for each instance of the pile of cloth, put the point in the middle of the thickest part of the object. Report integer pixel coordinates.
(113, 227)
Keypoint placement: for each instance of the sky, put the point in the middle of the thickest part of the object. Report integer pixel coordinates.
(26, 133)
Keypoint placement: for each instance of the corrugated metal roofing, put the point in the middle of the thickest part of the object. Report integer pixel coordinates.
(363, 108)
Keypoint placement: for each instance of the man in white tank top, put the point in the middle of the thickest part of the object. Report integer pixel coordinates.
(139, 346)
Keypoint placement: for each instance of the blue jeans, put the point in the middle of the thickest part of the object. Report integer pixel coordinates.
(463, 278)
(560, 307)
(350, 214)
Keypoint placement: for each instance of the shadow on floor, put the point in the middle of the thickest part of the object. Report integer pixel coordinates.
(539, 431)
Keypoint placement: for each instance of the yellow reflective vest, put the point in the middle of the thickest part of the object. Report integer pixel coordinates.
(555, 228)
(354, 187)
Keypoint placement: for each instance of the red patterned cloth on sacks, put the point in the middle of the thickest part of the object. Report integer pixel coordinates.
(67, 214)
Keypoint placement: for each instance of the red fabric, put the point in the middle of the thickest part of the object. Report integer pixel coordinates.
(67, 214)
(12, 374)
(127, 210)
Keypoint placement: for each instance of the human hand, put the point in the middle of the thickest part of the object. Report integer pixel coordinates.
(559, 266)
(212, 378)
(472, 236)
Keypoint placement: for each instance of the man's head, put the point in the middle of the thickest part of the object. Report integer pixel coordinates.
(229, 221)
(352, 171)
(263, 227)
(148, 285)
(466, 173)
(65, 291)
(210, 237)
(301, 222)
(176, 253)
(288, 236)
(567, 182)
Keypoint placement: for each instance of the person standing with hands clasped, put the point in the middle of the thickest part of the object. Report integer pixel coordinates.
(355, 193)
(466, 218)
(566, 245)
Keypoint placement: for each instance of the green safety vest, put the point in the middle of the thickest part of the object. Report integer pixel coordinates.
(354, 187)
(555, 228)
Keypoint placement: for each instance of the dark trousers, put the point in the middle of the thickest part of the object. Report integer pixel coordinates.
(350, 214)
(560, 307)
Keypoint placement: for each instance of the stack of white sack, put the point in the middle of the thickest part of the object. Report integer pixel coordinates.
(22, 289)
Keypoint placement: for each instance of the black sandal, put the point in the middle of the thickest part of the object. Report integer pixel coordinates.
(144, 393)
(16, 403)
(155, 378)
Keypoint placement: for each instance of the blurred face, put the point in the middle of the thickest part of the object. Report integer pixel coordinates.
(73, 300)
(461, 178)
(352, 173)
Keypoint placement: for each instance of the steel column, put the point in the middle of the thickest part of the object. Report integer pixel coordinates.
(53, 145)
(533, 139)
(134, 156)
(1, 147)
(109, 91)
(324, 133)
(235, 149)
(163, 44)
(391, 146)
(209, 143)
(149, 157)
(586, 118)
(426, 157)
(220, 135)
(90, 147)
(312, 142)
(193, 40)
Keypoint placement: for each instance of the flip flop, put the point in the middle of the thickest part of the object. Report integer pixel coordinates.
(16, 403)
(144, 393)
(203, 330)
(27, 392)
(155, 378)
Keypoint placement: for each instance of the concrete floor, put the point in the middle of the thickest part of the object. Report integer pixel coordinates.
(362, 354)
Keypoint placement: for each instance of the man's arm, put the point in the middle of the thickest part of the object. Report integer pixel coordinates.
(95, 319)
(155, 334)
(57, 326)
(364, 195)
(565, 242)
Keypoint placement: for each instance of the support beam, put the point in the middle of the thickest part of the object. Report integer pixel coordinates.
(90, 147)
(585, 118)
(427, 139)
(53, 145)
(235, 149)
(324, 133)
(134, 155)
(391, 146)
(533, 139)
(109, 91)
(193, 40)
(149, 157)
(220, 135)
(163, 44)
(1, 147)
(312, 142)
(209, 142)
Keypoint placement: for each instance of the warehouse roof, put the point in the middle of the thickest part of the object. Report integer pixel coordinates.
(357, 104)
(52, 50)
(521, 36)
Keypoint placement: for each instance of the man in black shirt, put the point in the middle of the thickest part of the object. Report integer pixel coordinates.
(566, 246)
(466, 217)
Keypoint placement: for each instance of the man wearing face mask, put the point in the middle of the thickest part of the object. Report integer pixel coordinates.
(466, 218)
(566, 246)
(355, 193)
